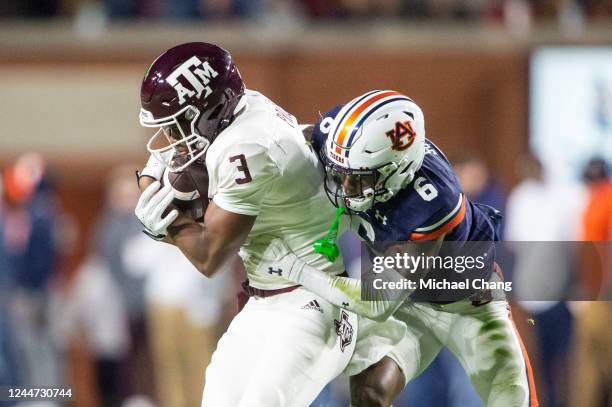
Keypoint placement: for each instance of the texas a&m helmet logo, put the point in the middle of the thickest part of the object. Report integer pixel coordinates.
(197, 78)
(402, 135)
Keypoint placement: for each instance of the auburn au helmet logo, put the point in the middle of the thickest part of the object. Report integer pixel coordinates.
(402, 136)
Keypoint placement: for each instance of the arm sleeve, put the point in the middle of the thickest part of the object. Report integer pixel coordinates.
(349, 293)
(245, 176)
(345, 292)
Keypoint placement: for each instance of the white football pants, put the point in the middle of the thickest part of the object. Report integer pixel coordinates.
(280, 351)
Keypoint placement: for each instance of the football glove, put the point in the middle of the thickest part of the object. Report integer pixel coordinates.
(150, 210)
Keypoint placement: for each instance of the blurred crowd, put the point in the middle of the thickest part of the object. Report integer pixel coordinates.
(314, 10)
(135, 324)
(132, 324)
(572, 360)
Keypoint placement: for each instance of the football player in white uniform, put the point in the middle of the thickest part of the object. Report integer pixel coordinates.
(401, 188)
(265, 181)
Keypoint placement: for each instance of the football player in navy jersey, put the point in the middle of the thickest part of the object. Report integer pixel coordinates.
(401, 188)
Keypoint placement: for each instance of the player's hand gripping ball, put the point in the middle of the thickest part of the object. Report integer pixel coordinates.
(154, 212)
(184, 193)
(190, 188)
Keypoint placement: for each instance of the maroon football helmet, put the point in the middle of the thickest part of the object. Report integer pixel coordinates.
(191, 93)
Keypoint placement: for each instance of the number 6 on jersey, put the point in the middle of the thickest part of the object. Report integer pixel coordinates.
(426, 191)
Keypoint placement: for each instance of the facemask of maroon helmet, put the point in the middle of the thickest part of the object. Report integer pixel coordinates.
(190, 93)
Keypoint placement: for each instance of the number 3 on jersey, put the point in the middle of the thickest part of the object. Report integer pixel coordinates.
(425, 190)
(242, 167)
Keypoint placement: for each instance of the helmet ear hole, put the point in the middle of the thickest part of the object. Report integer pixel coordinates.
(190, 114)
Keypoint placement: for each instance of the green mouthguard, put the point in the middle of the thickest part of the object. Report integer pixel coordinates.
(327, 246)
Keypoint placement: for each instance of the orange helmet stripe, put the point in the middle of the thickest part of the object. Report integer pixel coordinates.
(348, 122)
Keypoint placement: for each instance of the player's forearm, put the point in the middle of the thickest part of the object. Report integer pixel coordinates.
(346, 293)
(193, 239)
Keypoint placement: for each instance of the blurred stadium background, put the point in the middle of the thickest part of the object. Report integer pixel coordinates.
(518, 93)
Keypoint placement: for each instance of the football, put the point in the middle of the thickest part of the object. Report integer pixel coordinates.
(190, 187)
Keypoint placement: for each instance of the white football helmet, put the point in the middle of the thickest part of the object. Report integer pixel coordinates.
(374, 146)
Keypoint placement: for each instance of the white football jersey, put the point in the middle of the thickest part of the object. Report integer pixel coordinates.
(262, 166)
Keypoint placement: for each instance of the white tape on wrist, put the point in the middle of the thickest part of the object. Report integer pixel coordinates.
(154, 167)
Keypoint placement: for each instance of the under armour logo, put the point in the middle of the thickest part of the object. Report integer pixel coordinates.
(345, 304)
(272, 271)
(379, 217)
(198, 78)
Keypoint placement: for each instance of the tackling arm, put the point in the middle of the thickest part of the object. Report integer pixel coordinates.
(346, 292)
(343, 291)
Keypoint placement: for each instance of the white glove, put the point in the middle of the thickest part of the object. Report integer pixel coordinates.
(155, 166)
(150, 208)
(279, 260)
